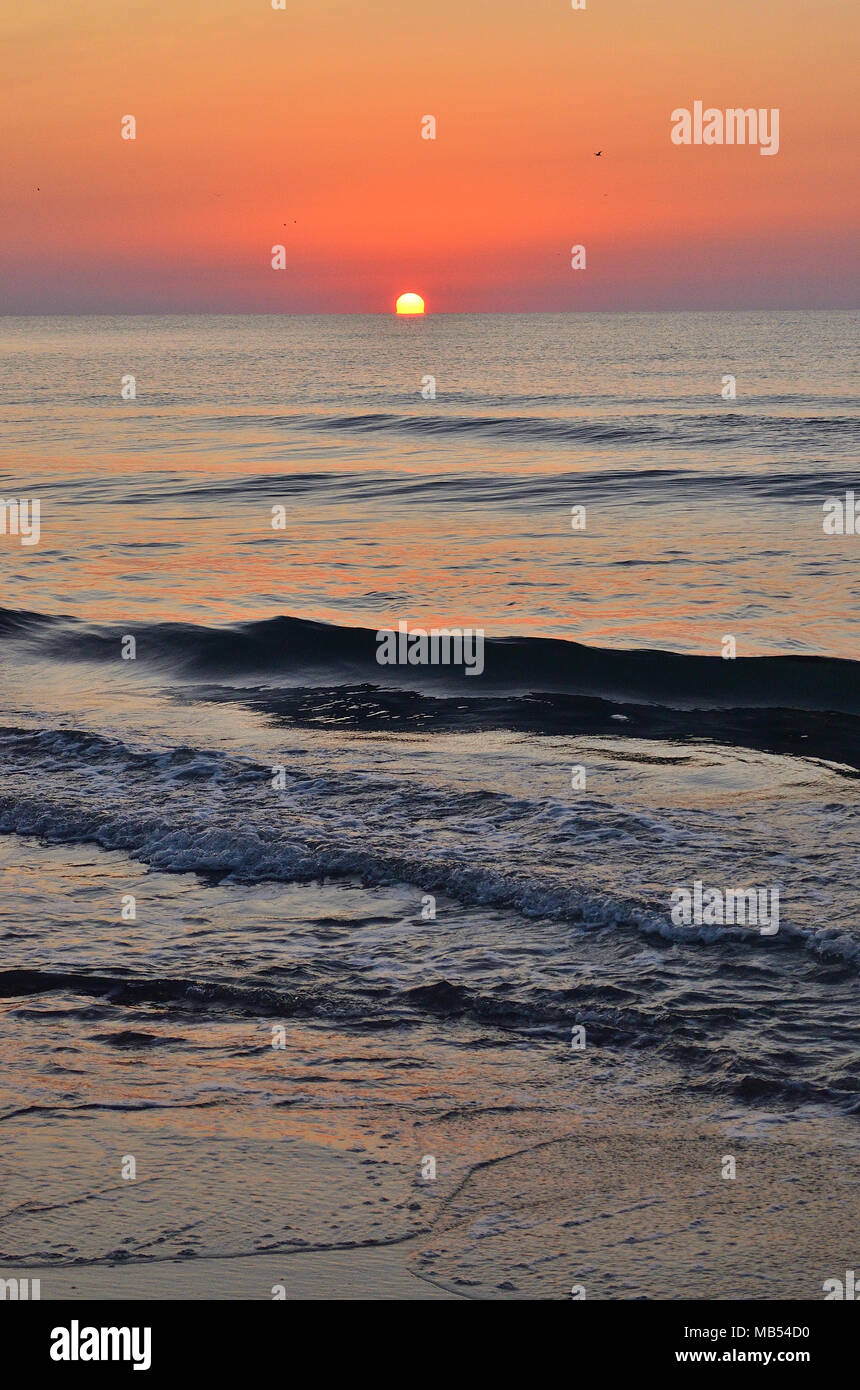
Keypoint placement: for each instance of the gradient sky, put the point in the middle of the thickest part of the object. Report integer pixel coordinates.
(249, 118)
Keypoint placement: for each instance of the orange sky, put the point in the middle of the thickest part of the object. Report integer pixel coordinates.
(249, 118)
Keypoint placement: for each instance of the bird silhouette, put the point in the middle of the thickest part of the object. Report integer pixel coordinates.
(598, 153)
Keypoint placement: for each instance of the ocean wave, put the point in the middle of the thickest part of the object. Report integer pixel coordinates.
(646, 485)
(299, 651)
(214, 819)
(709, 1065)
(549, 913)
(668, 428)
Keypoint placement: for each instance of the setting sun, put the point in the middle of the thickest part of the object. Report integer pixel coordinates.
(410, 304)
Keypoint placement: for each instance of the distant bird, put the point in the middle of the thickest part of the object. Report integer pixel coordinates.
(598, 153)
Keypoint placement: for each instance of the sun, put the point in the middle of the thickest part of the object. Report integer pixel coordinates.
(410, 304)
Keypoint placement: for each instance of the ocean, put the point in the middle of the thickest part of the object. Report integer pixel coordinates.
(282, 924)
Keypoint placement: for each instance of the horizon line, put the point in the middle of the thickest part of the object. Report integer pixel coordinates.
(441, 313)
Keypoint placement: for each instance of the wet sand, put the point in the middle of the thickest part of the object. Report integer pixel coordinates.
(329, 1202)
